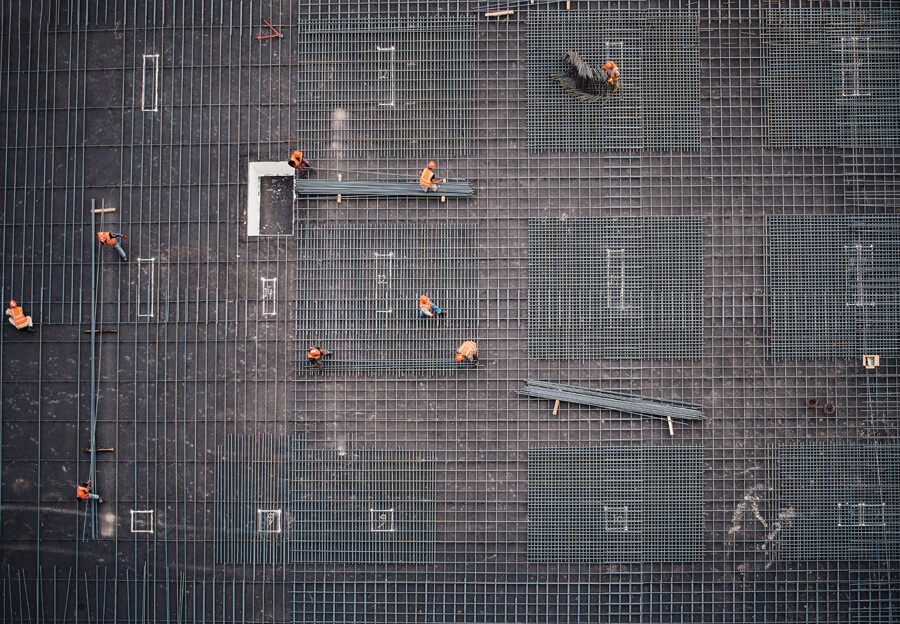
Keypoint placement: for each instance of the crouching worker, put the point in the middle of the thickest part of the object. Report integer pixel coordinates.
(467, 352)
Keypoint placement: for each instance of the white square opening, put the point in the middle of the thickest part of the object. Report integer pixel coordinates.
(256, 171)
(142, 521)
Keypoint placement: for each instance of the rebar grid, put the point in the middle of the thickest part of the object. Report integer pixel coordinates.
(170, 389)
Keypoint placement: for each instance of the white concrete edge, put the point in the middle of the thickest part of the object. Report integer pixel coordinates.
(256, 170)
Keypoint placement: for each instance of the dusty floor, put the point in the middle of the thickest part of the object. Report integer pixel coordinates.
(176, 361)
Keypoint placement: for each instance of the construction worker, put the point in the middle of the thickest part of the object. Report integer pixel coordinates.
(428, 308)
(84, 492)
(18, 318)
(298, 162)
(468, 351)
(108, 238)
(612, 75)
(427, 180)
(315, 354)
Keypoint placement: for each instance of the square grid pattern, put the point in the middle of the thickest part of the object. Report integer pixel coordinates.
(358, 293)
(617, 287)
(839, 501)
(615, 504)
(830, 76)
(834, 286)
(367, 87)
(657, 105)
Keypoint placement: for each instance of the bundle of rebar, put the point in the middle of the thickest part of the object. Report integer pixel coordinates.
(388, 365)
(606, 399)
(373, 188)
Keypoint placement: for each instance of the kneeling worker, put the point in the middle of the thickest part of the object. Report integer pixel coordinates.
(17, 317)
(467, 352)
(427, 180)
(428, 308)
(315, 354)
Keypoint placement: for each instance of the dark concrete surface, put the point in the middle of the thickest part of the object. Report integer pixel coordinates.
(169, 389)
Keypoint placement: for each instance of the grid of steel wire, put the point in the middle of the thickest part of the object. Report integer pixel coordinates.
(834, 286)
(615, 504)
(359, 285)
(167, 393)
(366, 84)
(838, 501)
(658, 103)
(829, 76)
(615, 288)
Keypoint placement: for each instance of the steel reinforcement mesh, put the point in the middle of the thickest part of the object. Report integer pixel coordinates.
(834, 285)
(615, 288)
(829, 76)
(358, 294)
(658, 103)
(184, 360)
(615, 504)
(387, 88)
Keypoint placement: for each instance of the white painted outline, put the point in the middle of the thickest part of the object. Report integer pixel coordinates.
(143, 513)
(268, 295)
(255, 171)
(268, 521)
(381, 520)
(150, 104)
(150, 299)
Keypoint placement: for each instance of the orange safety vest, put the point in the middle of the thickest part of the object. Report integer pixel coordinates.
(612, 70)
(425, 306)
(105, 238)
(467, 349)
(296, 159)
(314, 356)
(83, 493)
(18, 317)
(426, 178)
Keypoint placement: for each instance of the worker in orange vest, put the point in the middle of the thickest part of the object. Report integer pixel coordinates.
(18, 318)
(84, 492)
(426, 178)
(468, 352)
(428, 308)
(315, 354)
(612, 75)
(298, 162)
(108, 238)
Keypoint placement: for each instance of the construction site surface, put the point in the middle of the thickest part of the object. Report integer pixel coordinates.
(684, 296)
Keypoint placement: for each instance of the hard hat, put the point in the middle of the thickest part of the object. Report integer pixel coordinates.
(423, 298)
(299, 154)
(431, 164)
(13, 304)
(459, 357)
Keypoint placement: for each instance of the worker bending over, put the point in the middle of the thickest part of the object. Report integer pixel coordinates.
(467, 352)
(17, 317)
(428, 308)
(427, 179)
(84, 492)
(612, 75)
(108, 238)
(299, 163)
(315, 354)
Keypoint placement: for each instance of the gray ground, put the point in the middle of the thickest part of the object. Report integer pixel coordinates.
(169, 392)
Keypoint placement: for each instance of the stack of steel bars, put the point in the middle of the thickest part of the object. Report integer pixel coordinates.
(373, 188)
(611, 400)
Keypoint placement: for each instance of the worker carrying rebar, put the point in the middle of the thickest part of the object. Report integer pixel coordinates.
(315, 354)
(299, 163)
(428, 308)
(467, 352)
(612, 75)
(84, 492)
(17, 317)
(111, 239)
(427, 179)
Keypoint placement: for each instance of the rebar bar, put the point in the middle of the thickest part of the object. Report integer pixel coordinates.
(305, 189)
(610, 400)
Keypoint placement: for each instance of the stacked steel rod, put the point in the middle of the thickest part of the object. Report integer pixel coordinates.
(606, 399)
(372, 188)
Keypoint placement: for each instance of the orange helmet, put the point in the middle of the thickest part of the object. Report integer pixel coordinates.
(423, 299)
(299, 154)
(459, 357)
(431, 164)
(13, 304)
(314, 352)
